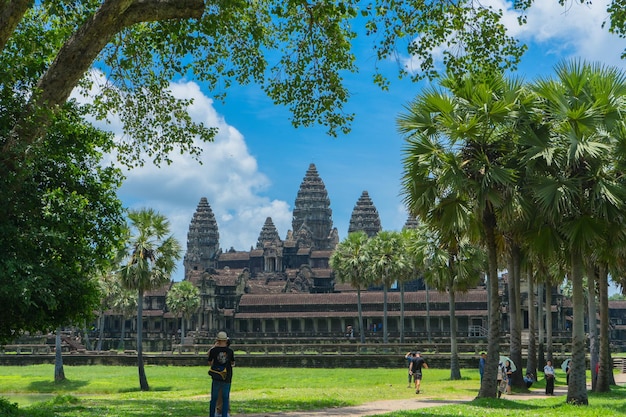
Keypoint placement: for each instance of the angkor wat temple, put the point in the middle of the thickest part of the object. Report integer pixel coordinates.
(285, 288)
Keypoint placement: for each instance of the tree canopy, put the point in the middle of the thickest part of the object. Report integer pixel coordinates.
(124, 54)
(60, 219)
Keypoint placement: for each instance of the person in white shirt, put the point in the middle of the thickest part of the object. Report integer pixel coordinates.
(548, 371)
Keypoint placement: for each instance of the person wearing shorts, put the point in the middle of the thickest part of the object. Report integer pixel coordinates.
(417, 364)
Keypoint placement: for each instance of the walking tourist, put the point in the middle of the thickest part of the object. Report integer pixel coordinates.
(416, 370)
(409, 358)
(548, 371)
(481, 365)
(501, 379)
(509, 376)
(221, 362)
(218, 406)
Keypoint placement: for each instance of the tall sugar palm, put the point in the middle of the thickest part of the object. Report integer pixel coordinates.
(349, 261)
(184, 299)
(450, 266)
(385, 260)
(125, 304)
(411, 269)
(460, 139)
(148, 261)
(574, 187)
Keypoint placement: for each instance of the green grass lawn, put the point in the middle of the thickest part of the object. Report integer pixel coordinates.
(113, 391)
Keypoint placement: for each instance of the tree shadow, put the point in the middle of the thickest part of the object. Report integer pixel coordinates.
(67, 385)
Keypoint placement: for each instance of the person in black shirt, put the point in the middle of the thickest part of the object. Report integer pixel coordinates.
(221, 362)
(416, 370)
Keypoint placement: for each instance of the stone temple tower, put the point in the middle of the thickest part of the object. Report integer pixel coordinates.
(203, 239)
(268, 234)
(312, 215)
(365, 217)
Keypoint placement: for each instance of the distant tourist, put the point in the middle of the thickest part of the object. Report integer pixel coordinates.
(221, 362)
(568, 369)
(416, 370)
(509, 375)
(481, 365)
(350, 332)
(501, 378)
(548, 371)
(409, 358)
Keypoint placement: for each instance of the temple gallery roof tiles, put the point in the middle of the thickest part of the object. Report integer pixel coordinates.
(350, 314)
(234, 256)
(324, 254)
(367, 297)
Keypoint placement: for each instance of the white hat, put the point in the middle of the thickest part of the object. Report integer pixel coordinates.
(222, 336)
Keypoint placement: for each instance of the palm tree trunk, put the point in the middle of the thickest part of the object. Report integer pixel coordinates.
(122, 342)
(86, 339)
(100, 331)
(143, 381)
(455, 368)
(428, 313)
(385, 336)
(360, 310)
(515, 348)
(604, 372)
(182, 330)
(541, 358)
(488, 386)
(59, 373)
(549, 322)
(577, 388)
(531, 362)
(402, 312)
(592, 314)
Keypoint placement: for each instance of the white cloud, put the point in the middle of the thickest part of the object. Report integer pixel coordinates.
(570, 31)
(574, 30)
(228, 177)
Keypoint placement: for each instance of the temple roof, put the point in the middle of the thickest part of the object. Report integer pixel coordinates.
(312, 209)
(365, 217)
(203, 238)
(268, 234)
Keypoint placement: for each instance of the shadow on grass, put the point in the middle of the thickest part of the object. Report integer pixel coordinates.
(67, 385)
(600, 404)
(68, 406)
(272, 405)
(152, 389)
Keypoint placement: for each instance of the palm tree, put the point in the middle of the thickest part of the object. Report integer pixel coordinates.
(150, 258)
(109, 285)
(125, 304)
(183, 299)
(410, 270)
(460, 139)
(349, 261)
(384, 252)
(582, 108)
(450, 266)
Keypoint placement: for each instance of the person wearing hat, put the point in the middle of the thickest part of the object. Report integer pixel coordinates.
(221, 362)
(409, 357)
(416, 370)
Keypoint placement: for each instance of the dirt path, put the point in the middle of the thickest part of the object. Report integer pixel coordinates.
(387, 406)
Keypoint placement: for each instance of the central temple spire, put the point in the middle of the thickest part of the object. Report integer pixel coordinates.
(203, 239)
(312, 214)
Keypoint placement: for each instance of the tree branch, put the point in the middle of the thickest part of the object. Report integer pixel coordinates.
(11, 13)
(77, 55)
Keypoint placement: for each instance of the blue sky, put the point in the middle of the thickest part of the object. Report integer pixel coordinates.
(256, 164)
